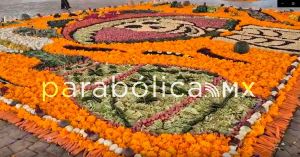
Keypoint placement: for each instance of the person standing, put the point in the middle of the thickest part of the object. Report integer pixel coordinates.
(65, 4)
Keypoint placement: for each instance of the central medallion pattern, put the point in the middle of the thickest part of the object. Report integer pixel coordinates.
(144, 27)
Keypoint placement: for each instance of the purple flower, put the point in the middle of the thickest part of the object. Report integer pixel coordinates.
(121, 34)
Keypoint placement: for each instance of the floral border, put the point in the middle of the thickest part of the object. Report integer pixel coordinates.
(189, 138)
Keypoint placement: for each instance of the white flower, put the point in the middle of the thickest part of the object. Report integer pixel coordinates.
(32, 111)
(254, 118)
(274, 93)
(281, 86)
(137, 155)
(54, 119)
(81, 131)
(18, 106)
(26, 107)
(287, 77)
(28, 110)
(35, 43)
(76, 130)
(84, 135)
(107, 143)
(232, 148)
(101, 141)
(240, 137)
(244, 130)
(7, 101)
(226, 155)
(295, 64)
(113, 147)
(47, 117)
(69, 128)
(233, 152)
(119, 151)
(267, 105)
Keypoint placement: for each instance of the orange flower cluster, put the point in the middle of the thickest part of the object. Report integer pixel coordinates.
(259, 128)
(242, 16)
(28, 91)
(63, 134)
(264, 68)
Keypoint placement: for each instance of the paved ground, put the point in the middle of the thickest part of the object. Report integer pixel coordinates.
(290, 145)
(17, 143)
(14, 8)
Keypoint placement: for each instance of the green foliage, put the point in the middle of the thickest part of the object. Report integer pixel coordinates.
(201, 9)
(213, 34)
(97, 72)
(8, 23)
(147, 99)
(213, 108)
(51, 60)
(257, 14)
(25, 17)
(119, 112)
(160, 4)
(176, 4)
(230, 25)
(14, 46)
(211, 9)
(58, 23)
(49, 33)
(241, 47)
(91, 98)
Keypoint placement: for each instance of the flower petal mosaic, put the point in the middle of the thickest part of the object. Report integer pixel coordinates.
(135, 43)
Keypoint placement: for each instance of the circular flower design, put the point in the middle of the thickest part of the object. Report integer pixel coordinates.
(184, 126)
(145, 27)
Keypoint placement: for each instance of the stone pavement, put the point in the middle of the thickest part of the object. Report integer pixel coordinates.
(17, 143)
(290, 145)
(14, 8)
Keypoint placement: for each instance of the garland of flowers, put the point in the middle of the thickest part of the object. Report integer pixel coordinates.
(268, 131)
(246, 72)
(121, 136)
(69, 128)
(57, 134)
(260, 110)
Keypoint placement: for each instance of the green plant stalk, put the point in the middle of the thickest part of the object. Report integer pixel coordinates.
(214, 108)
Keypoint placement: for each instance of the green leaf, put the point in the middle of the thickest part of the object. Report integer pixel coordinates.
(147, 99)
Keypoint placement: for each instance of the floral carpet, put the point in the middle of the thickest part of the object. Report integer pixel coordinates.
(134, 43)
